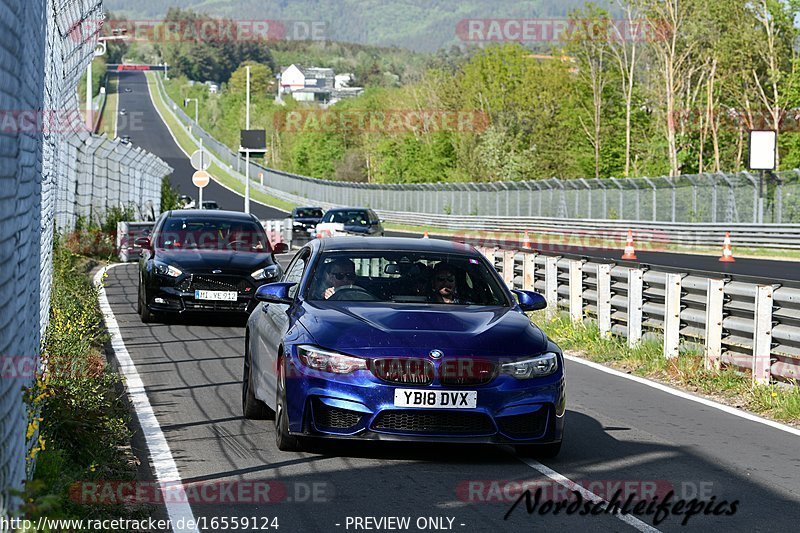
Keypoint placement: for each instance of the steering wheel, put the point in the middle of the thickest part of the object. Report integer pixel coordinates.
(356, 293)
(236, 244)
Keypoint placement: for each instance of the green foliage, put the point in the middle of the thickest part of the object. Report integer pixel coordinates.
(169, 195)
(82, 422)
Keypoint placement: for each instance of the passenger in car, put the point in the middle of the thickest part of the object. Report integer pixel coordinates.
(443, 284)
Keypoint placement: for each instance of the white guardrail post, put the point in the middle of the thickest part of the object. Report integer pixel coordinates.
(604, 299)
(576, 290)
(635, 305)
(672, 315)
(762, 335)
(529, 271)
(551, 286)
(715, 298)
(508, 267)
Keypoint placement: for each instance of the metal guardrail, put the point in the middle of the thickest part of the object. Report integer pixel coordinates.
(750, 326)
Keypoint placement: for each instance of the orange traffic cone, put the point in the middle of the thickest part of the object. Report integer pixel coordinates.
(727, 250)
(526, 241)
(425, 235)
(630, 252)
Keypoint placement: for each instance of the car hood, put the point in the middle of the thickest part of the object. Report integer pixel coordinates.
(402, 329)
(207, 260)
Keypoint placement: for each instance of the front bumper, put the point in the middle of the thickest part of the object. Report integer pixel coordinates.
(359, 406)
(177, 296)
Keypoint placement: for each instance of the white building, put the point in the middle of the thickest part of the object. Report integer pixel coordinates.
(314, 84)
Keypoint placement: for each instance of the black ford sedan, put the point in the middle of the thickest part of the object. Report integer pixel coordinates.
(204, 261)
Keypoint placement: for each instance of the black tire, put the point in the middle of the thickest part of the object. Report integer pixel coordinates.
(144, 313)
(283, 440)
(252, 407)
(543, 451)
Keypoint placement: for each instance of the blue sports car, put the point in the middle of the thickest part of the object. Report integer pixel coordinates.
(401, 339)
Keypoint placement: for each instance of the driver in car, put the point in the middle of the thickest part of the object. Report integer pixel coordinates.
(341, 273)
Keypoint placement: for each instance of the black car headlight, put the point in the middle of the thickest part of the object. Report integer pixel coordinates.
(272, 271)
(328, 361)
(165, 269)
(532, 367)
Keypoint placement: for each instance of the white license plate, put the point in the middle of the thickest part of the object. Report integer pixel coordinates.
(218, 296)
(436, 399)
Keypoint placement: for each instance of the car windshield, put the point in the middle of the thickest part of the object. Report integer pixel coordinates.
(309, 213)
(404, 277)
(349, 218)
(213, 234)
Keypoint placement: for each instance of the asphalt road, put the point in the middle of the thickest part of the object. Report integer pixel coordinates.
(617, 430)
(146, 129)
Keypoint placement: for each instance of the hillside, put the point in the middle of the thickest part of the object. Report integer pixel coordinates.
(422, 25)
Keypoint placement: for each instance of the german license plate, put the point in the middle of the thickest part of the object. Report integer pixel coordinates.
(217, 296)
(435, 399)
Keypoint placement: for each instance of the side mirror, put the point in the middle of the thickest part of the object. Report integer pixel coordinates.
(530, 300)
(280, 248)
(143, 242)
(276, 293)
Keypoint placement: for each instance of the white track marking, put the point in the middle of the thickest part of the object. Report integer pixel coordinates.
(160, 455)
(586, 494)
(686, 396)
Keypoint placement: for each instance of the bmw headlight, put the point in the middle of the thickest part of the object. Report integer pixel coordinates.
(533, 367)
(166, 270)
(328, 361)
(272, 271)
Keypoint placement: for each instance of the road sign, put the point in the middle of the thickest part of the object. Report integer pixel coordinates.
(201, 178)
(201, 160)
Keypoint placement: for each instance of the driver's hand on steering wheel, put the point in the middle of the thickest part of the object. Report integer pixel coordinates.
(329, 292)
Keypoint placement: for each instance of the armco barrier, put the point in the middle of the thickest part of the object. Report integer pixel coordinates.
(750, 326)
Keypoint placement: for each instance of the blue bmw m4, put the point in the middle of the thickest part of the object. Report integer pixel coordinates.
(401, 339)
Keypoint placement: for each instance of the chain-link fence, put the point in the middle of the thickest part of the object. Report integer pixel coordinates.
(51, 172)
(711, 198)
(101, 173)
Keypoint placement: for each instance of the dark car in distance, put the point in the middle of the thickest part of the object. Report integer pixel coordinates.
(350, 221)
(204, 261)
(305, 219)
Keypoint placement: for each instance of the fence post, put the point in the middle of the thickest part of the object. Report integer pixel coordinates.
(576, 290)
(714, 302)
(551, 286)
(672, 315)
(508, 267)
(635, 303)
(604, 299)
(529, 272)
(762, 335)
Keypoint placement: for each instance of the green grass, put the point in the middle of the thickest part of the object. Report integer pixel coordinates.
(687, 371)
(219, 174)
(108, 122)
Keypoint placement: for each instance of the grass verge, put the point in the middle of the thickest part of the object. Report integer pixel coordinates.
(76, 405)
(108, 122)
(687, 371)
(217, 172)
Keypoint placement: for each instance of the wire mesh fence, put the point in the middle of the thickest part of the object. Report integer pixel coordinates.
(51, 172)
(742, 197)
